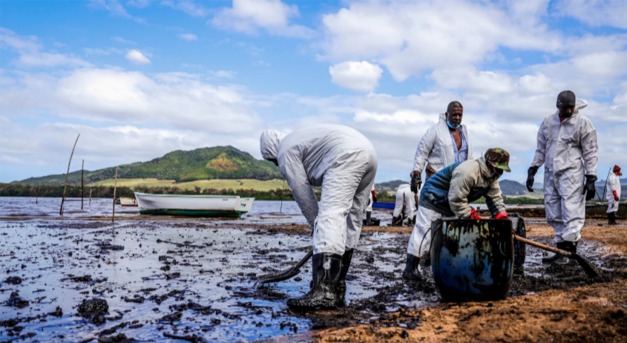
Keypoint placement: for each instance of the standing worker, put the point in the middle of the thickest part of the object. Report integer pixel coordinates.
(613, 194)
(405, 206)
(443, 144)
(344, 163)
(567, 146)
(449, 192)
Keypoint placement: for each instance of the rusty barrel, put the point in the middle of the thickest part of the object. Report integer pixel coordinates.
(472, 259)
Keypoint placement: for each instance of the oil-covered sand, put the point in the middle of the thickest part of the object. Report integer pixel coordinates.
(82, 277)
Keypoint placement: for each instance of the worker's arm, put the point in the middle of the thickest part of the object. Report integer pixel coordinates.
(294, 172)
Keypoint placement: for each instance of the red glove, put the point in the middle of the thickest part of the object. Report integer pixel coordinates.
(501, 215)
(616, 197)
(474, 214)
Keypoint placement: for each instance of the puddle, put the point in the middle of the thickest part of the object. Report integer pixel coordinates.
(192, 280)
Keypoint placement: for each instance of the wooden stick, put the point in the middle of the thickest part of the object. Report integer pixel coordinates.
(67, 174)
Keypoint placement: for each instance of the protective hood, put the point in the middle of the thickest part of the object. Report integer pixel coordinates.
(269, 144)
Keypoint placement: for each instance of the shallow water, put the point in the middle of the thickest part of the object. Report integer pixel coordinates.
(190, 278)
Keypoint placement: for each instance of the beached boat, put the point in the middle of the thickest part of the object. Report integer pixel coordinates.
(128, 201)
(193, 204)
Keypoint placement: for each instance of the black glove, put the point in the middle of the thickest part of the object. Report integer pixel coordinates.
(416, 182)
(589, 189)
(531, 172)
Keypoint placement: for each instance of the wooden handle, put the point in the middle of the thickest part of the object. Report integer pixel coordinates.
(545, 247)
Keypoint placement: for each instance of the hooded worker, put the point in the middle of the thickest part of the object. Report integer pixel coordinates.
(567, 146)
(405, 206)
(343, 163)
(443, 144)
(449, 192)
(613, 194)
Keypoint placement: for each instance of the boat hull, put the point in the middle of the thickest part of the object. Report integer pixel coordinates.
(472, 259)
(193, 205)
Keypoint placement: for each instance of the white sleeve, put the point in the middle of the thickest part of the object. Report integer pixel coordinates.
(294, 172)
(424, 149)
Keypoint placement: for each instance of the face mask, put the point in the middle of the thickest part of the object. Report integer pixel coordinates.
(453, 127)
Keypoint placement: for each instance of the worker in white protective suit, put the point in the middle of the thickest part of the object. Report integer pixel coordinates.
(372, 198)
(443, 144)
(449, 192)
(613, 189)
(405, 206)
(344, 163)
(567, 146)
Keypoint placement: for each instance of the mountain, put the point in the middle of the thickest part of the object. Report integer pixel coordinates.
(223, 162)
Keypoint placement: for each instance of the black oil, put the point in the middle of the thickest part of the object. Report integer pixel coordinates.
(82, 279)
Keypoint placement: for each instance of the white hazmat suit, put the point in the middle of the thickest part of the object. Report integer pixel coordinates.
(568, 150)
(340, 160)
(613, 184)
(436, 148)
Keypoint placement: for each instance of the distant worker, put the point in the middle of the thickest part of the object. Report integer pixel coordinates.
(443, 144)
(405, 206)
(613, 194)
(567, 146)
(449, 192)
(371, 200)
(344, 163)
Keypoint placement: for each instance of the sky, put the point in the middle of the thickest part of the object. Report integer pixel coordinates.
(140, 78)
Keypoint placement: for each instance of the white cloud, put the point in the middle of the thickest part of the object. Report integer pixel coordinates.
(249, 16)
(410, 38)
(188, 37)
(29, 52)
(595, 12)
(360, 76)
(190, 7)
(137, 57)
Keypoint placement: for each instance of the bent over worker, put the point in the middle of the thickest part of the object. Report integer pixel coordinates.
(405, 205)
(613, 194)
(449, 192)
(343, 162)
(567, 146)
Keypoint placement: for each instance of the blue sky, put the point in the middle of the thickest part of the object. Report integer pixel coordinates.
(138, 79)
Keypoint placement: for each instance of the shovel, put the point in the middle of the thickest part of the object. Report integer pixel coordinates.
(585, 264)
(283, 275)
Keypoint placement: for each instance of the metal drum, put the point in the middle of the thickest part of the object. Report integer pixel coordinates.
(472, 259)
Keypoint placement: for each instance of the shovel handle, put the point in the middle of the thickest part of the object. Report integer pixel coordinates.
(543, 246)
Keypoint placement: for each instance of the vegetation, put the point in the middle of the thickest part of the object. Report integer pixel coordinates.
(180, 166)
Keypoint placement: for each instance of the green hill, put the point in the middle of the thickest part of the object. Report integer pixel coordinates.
(222, 162)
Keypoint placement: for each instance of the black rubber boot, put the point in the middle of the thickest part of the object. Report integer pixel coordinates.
(411, 272)
(552, 257)
(561, 259)
(326, 270)
(397, 221)
(611, 218)
(570, 247)
(368, 216)
(341, 285)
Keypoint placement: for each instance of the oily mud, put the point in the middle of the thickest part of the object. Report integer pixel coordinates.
(174, 279)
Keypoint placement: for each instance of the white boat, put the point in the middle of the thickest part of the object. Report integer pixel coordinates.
(128, 201)
(193, 204)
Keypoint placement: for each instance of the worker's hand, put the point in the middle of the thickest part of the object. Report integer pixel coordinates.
(589, 190)
(531, 172)
(474, 214)
(416, 181)
(501, 215)
(616, 197)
